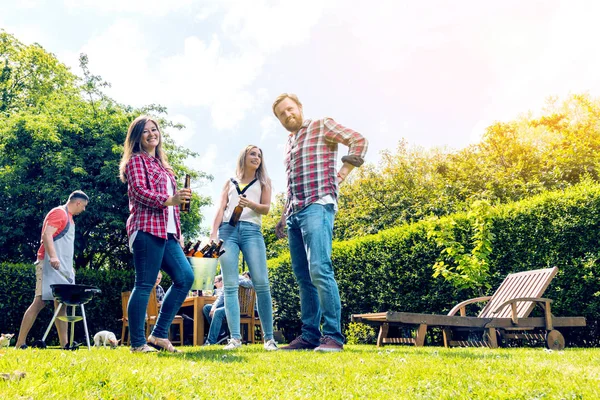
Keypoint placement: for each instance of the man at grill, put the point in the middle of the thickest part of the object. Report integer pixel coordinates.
(54, 263)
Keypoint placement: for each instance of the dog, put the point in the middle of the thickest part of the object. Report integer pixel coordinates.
(104, 338)
(5, 339)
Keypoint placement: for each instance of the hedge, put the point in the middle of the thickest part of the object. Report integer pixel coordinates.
(103, 312)
(392, 270)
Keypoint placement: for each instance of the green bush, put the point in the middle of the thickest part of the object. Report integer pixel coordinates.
(103, 312)
(360, 334)
(392, 270)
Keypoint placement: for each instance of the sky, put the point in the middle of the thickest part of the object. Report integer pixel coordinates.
(435, 73)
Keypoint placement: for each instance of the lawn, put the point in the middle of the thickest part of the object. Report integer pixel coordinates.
(361, 371)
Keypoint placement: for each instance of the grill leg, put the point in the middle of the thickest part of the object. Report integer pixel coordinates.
(72, 327)
(51, 322)
(87, 336)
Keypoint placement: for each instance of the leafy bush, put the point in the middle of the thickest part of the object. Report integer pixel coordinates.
(360, 334)
(393, 270)
(103, 312)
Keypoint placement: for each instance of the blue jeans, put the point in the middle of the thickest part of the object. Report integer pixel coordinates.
(215, 323)
(151, 254)
(310, 234)
(247, 238)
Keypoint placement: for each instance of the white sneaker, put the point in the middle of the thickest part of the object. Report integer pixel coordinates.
(271, 345)
(233, 344)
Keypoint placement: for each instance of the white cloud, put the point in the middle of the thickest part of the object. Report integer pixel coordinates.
(120, 55)
(204, 76)
(267, 125)
(207, 157)
(24, 32)
(182, 136)
(207, 10)
(30, 4)
(271, 25)
(216, 73)
(157, 8)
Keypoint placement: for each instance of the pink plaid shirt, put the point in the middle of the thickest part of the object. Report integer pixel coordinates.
(147, 190)
(310, 161)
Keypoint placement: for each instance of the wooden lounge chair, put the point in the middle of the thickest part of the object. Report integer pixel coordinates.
(505, 316)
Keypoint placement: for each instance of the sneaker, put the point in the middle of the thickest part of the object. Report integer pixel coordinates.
(222, 338)
(330, 345)
(23, 347)
(207, 344)
(299, 344)
(143, 349)
(271, 345)
(233, 344)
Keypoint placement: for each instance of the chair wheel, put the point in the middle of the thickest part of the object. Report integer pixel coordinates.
(555, 340)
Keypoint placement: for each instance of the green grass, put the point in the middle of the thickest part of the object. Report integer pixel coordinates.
(393, 372)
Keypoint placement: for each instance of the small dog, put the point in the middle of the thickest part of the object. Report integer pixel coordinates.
(104, 338)
(5, 339)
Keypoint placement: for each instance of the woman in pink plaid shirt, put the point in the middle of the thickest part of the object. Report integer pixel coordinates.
(154, 232)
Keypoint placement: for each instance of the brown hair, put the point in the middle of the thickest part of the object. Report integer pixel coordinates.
(132, 144)
(284, 96)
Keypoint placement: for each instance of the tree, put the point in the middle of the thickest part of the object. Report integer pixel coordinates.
(514, 160)
(71, 138)
(29, 75)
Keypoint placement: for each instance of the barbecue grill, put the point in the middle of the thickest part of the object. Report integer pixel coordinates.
(71, 295)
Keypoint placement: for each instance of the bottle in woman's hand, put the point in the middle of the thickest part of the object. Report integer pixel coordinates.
(185, 206)
(237, 212)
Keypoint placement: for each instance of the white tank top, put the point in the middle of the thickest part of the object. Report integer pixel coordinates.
(253, 193)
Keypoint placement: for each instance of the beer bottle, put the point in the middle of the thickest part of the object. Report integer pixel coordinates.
(194, 250)
(201, 253)
(185, 206)
(237, 213)
(187, 247)
(211, 250)
(217, 251)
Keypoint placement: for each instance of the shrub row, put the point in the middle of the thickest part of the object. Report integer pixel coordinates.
(103, 312)
(392, 270)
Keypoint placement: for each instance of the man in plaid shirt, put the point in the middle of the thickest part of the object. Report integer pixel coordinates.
(312, 191)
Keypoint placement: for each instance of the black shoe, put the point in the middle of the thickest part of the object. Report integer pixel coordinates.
(222, 337)
(75, 346)
(39, 344)
(23, 347)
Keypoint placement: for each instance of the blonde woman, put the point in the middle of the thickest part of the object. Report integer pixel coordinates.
(251, 190)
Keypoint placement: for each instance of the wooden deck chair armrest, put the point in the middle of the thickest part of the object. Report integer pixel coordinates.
(544, 302)
(461, 306)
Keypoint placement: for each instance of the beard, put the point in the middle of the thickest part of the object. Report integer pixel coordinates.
(293, 125)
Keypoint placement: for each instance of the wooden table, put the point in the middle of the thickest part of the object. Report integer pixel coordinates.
(198, 304)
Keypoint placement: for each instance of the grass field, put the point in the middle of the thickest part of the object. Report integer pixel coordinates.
(361, 371)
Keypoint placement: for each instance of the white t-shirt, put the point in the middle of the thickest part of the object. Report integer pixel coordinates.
(171, 227)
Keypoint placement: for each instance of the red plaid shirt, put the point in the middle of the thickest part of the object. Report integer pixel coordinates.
(147, 190)
(310, 161)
